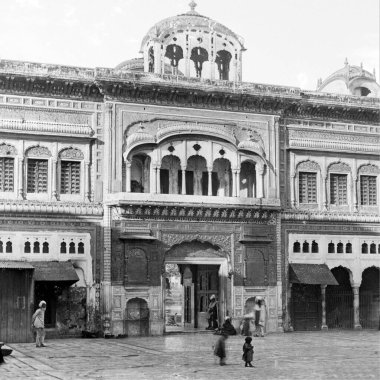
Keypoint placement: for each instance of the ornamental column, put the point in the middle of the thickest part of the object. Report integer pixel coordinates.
(158, 180)
(289, 313)
(128, 166)
(54, 180)
(355, 190)
(323, 299)
(106, 289)
(324, 192)
(260, 173)
(183, 172)
(153, 187)
(357, 325)
(209, 190)
(20, 195)
(87, 181)
(238, 183)
(233, 183)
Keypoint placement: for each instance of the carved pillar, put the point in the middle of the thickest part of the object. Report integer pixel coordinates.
(154, 180)
(183, 172)
(355, 192)
(357, 325)
(209, 190)
(106, 289)
(293, 201)
(54, 180)
(158, 180)
(87, 181)
(238, 183)
(324, 192)
(233, 172)
(128, 166)
(20, 178)
(108, 149)
(323, 301)
(290, 326)
(260, 181)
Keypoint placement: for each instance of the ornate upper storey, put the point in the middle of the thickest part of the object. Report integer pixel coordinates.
(353, 80)
(194, 45)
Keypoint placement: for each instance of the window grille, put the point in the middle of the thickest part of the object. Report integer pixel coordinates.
(70, 177)
(36, 247)
(368, 192)
(8, 247)
(6, 174)
(63, 247)
(348, 248)
(364, 248)
(45, 247)
(37, 176)
(338, 189)
(307, 187)
(27, 248)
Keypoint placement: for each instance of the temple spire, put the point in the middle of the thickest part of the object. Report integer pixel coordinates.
(192, 5)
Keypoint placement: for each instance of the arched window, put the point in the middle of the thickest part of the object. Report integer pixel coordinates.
(314, 247)
(8, 247)
(364, 248)
(296, 247)
(80, 247)
(27, 247)
(1, 246)
(348, 248)
(331, 248)
(305, 247)
(378, 248)
(45, 247)
(372, 248)
(36, 247)
(72, 247)
(339, 248)
(63, 247)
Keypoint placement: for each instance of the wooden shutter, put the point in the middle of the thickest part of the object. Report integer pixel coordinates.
(307, 185)
(70, 177)
(6, 174)
(368, 193)
(338, 189)
(37, 176)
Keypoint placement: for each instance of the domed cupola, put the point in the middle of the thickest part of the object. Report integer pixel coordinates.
(351, 80)
(194, 45)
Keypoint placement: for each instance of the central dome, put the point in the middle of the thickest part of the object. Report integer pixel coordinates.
(214, 49)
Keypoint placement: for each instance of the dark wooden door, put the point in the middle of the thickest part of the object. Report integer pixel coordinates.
(207, 285)
(15, 315)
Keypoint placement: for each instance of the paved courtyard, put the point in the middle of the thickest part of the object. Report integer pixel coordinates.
(299, 356)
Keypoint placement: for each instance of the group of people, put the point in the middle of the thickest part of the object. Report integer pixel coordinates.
(252, 324)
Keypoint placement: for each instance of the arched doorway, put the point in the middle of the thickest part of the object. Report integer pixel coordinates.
(339, 301)
(369, 299)
(137, 317)
(202, 272)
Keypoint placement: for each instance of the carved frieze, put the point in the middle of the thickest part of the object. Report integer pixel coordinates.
(7, 150)
(71, 153)
(339, 167)
(38, 151)
(308, 166)
(369, 169)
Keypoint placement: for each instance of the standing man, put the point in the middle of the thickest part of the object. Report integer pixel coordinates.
(38, 322)
(213, 314)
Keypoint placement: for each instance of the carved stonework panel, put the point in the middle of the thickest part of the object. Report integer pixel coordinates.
(7, 150)
(136, 262)
(194, 249)
(339, 167)
(71, 153)
(38, 151)
(369, 169)
(308, 166)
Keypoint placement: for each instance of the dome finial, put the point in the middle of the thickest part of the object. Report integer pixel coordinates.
(192, 5)
(346, 62)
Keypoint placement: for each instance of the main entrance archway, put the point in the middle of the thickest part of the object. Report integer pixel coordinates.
(194, 271)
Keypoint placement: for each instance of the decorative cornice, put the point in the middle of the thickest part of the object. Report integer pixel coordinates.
(36, 207)
(322, 216)
(45, 128)
(221, 214)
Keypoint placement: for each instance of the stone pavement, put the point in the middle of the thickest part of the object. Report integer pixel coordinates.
(347, 355)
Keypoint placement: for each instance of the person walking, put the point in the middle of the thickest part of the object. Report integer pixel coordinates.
(248, 352)
(213, 314)
(262, 318)
(38, 322)
(220, 348)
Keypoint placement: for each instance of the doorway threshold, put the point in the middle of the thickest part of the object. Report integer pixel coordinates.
(171, 330)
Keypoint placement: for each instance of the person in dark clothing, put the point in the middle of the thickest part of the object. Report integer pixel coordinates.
(213, 314)
(248, 352)
(227, 327)
(220, 349)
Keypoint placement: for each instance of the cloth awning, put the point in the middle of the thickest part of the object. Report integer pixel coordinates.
(313, 274)
(55, 271)
(137, 237)
(15, 265)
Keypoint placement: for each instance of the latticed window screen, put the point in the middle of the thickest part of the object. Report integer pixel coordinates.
(70, 177)
(308, 187)
(6, 174)
(37, 176)
(368, 192)
(338, 189)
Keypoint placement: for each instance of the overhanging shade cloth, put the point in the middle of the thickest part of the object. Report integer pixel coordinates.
(313, 274)
(55, 271)
(15, 265)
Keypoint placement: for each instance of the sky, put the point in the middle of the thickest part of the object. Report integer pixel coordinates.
(289, 42)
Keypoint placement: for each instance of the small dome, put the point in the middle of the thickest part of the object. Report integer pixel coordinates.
(351, 80)
(139, 137)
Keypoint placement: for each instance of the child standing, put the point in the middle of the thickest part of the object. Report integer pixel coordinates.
(220, 348)
(248, 352)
